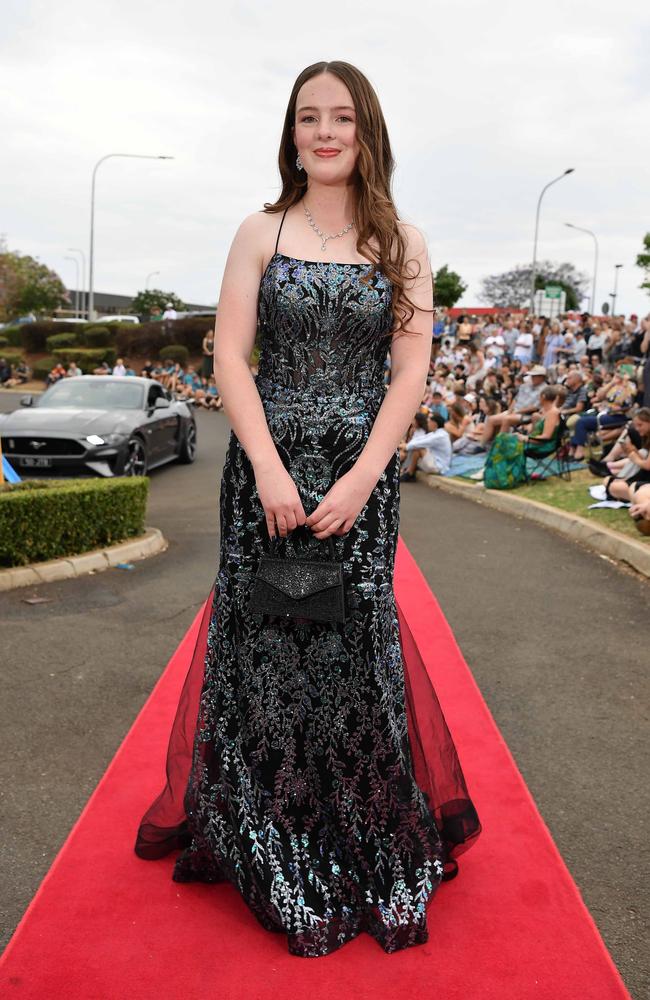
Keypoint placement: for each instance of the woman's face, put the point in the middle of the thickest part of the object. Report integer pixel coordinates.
(643, 426)
(326, 120)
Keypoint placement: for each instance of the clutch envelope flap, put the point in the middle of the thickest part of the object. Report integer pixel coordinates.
(299, 578)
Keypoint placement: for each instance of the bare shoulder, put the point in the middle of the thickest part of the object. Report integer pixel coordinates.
(416, 243)
(257, 223)
(418, 265)
(253, 237)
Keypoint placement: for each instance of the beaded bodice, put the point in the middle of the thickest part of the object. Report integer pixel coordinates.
(323, 329)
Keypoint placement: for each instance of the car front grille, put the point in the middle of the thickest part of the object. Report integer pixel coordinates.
(13, 445)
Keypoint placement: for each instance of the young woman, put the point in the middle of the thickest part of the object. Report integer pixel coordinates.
(303, 789)
(207, 347)
(634, 449)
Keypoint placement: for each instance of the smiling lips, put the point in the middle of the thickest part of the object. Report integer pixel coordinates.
(327, 152)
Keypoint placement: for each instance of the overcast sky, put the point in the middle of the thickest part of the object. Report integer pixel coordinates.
(485, 103)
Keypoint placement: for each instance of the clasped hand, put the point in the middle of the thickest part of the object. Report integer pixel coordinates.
(334, 515)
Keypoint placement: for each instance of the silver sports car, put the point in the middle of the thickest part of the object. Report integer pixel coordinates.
(99, 425)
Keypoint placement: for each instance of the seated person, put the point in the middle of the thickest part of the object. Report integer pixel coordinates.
(459, 418)
(211, 400)
(5, 371)
(56, 374)
(22, 373)
(612, 401)
(575, 402)
(429, 447)
(525, 403)
(471, 442)
(542, 439)
(103, 369)
(640, 508)
(189, 383)
(175, 376)
(635, 447)
(437, 405)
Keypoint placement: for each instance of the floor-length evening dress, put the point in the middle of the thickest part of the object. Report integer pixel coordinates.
(301, 766)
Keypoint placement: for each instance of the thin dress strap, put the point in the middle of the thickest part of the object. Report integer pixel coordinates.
(280, 229)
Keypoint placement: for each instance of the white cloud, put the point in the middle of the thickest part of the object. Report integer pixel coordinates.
(484, 103)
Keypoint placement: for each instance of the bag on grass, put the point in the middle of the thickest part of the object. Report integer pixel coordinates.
(505, 465)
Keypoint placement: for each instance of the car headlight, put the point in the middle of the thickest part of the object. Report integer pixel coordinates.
(109, 439)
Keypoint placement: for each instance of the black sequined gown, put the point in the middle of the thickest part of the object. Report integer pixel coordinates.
(301, 787)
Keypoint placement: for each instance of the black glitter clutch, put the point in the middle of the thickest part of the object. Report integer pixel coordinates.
(299, 588)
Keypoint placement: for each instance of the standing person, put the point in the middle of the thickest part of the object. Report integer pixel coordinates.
(168, 318)
(301, 789)
(207, 360)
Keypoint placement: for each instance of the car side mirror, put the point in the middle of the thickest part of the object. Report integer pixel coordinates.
(161, 403)
(27, 400)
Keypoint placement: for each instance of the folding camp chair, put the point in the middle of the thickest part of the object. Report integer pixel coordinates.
(557, 462)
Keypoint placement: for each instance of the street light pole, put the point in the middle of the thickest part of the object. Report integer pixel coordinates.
(82, 294)
(150, 275)
(132, 156)
(613, 294)
(593, 285)
(539, 204)
(76, 293)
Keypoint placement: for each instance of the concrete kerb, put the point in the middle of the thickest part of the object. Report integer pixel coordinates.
(599, 538)
(149, 544)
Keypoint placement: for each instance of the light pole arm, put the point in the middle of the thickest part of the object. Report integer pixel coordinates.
(91, 264)
(539, 205)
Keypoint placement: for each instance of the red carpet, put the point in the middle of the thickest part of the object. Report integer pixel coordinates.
(105, 925)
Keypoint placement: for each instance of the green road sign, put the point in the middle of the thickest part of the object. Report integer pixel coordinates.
(553, 291)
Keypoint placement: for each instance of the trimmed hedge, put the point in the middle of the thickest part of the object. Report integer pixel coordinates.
(42, 367)
(11, 357)
(13, 335)
(51, 519)
(34, 335)
(148, 338)
(62, 340)
(86, 357)
(141, 340)
(97, 336)
(175, 352)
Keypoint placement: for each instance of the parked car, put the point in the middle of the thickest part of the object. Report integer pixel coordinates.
(117, 319)
(208, 313)
(108, 426)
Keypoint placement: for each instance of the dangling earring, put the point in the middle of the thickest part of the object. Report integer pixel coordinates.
(299, 162)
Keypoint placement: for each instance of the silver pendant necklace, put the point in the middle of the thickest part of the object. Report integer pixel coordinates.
(324, 236)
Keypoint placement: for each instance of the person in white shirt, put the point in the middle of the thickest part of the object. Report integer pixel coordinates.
(170, 312)
(524, 347)
(119, 368)
(429, 447)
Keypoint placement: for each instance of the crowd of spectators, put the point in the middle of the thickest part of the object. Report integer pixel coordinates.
(585, 376)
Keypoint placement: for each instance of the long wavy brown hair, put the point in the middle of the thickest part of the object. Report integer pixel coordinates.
(375, 213)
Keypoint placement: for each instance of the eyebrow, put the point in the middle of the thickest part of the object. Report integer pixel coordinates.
(339, 107)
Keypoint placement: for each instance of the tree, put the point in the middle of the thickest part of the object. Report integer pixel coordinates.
(144, 301)
(512, 288)
(643, 261)
(27, 286)
(447, 287)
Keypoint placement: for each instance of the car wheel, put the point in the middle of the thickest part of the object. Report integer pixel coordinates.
(187, 452)
(136, 458)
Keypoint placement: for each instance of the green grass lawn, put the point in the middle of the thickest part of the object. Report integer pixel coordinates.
(574, 498)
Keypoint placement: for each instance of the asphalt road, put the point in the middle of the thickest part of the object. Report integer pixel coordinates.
(556, 637)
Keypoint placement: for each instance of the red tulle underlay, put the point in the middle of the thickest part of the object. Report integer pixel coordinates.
(436, 767)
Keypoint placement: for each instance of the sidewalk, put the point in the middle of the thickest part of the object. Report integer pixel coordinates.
(598, 537)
